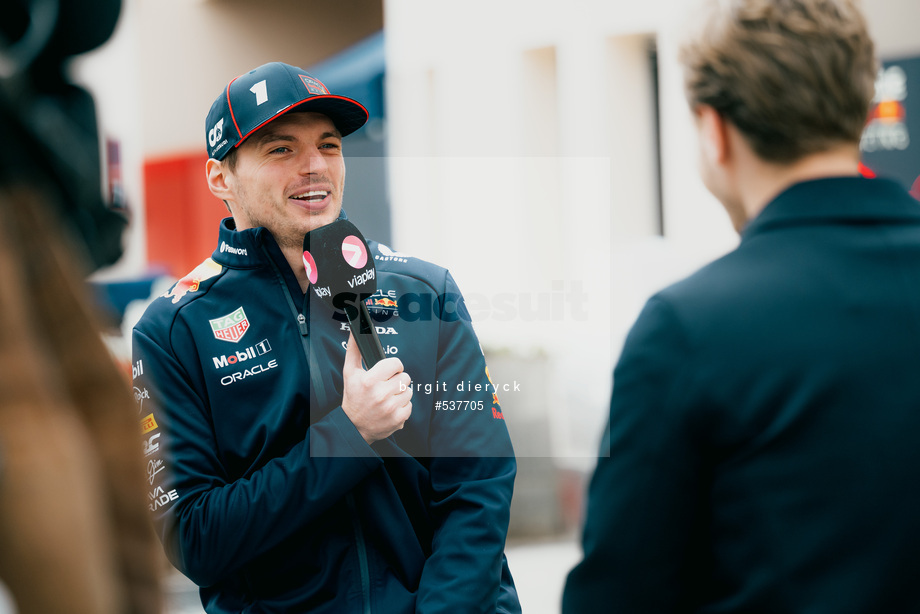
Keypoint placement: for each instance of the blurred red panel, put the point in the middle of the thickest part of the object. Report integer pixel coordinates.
(182, 214)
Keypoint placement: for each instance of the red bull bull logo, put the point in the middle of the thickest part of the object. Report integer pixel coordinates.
(192, 281)
(384, 302)
(496, 406)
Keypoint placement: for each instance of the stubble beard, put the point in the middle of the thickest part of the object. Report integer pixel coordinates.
(286, 232)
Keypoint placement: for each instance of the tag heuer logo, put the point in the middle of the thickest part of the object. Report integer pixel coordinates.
(230, 327)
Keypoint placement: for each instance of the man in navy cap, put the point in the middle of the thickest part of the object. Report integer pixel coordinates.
(283, 476)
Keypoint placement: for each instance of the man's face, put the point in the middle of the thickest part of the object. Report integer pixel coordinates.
(289, 177)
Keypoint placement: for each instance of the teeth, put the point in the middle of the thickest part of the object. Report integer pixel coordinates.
(312, 195)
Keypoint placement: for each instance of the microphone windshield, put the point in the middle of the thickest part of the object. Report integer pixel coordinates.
(339, 264)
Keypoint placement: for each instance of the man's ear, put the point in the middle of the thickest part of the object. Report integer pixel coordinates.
(713, 128)
(217, 179)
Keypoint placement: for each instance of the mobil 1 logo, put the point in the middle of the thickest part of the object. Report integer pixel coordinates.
(252, 352)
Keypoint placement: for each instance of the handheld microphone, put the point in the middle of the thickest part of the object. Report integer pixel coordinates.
(342, 275)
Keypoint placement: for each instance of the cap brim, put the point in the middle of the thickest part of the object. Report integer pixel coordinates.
(348, 115)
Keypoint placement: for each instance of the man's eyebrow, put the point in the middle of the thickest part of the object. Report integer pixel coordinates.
(273, 136)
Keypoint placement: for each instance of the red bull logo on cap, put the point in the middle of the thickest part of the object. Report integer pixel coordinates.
(314, 85)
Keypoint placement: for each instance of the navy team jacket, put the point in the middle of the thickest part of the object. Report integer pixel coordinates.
(262, 490)
(762, 452)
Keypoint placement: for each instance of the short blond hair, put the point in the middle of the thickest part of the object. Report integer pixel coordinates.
(794, 76)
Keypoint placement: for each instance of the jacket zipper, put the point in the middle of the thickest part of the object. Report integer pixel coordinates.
(361, 546)
(303, 326)
(320, 390)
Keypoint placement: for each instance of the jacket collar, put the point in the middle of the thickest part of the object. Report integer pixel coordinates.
(241, 249)
(836, 200)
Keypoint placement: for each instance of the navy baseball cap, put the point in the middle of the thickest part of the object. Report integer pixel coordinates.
(253, 100)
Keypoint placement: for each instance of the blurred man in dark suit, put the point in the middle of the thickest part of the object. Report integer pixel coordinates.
(762, 451)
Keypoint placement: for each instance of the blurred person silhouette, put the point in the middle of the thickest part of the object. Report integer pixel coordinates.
(74, 531)
(290, 478)
(761, 451)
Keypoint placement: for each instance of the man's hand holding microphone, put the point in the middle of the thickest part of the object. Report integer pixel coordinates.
(377, 401)
(343, 275)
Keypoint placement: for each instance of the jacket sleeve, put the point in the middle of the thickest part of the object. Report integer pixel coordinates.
(643, 503)
(211, 525)
(472, 473)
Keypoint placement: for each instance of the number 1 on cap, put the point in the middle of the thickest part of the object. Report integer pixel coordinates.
(260, 91)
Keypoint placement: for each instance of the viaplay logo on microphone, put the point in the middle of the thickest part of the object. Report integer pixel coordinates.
(356, 256)
(337, 262)
(354, 251)
(362, 279)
